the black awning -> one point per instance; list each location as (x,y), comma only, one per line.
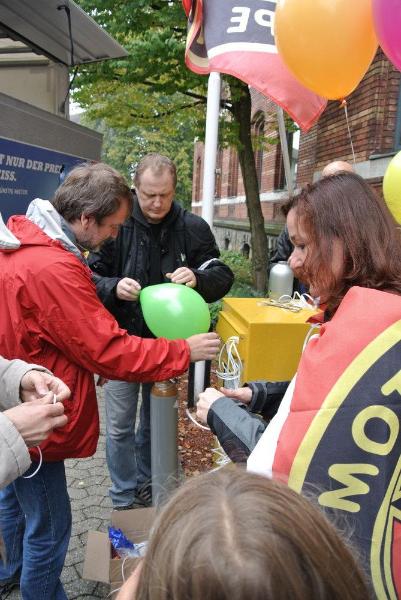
(40,27)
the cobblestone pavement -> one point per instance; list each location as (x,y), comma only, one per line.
(88,483)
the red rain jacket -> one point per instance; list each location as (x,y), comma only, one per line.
(50,315)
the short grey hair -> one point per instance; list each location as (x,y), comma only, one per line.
(157,163)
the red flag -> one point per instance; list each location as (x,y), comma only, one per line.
(187,6)
(239,41)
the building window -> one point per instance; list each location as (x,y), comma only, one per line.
(245,250)
(219,162)
(293,149)
(294,155)
(232,188)
(258,126)
(198,174)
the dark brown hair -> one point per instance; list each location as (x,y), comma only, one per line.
(343,206)
(93,189)
(157,163)
(233,535)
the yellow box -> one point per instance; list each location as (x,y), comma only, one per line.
(270,338)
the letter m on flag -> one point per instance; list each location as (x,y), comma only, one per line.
(237,38)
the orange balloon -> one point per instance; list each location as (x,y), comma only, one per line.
(327,44)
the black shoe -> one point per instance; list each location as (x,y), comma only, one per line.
(144,494)
(137,503)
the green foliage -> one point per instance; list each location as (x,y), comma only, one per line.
(151,89)
(153,79)
(148,101)
(240,266)
(124,147)
(242,290)
(152,95)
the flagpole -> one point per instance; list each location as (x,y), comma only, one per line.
(211,136)
(284,150)
(209,183)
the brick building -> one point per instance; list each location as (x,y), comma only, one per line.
(374,113)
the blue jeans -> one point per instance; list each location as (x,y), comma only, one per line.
(127,454)
(35,522)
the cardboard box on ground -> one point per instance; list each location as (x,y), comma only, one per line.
(99,564)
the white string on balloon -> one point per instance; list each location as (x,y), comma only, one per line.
(344,105)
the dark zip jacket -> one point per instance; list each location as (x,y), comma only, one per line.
(185,240)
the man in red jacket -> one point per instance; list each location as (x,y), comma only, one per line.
(50,314)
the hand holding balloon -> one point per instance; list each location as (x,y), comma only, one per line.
(204,346)
(128,289)
(174,311)
(183,275)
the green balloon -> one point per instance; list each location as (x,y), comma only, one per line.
(174,311)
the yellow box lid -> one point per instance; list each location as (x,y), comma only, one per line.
(256,311)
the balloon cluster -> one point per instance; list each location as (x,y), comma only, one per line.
(329,44)
(387,20)
(174,311)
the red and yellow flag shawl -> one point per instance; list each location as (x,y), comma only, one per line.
(342,434)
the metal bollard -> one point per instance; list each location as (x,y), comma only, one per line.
(164,431)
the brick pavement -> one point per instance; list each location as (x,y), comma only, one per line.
(88,484)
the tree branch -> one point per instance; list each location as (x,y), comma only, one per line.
(165,113)
(186,93)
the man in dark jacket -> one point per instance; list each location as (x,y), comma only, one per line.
(160,242)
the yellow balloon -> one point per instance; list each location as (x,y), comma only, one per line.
(327,44)
(392,187)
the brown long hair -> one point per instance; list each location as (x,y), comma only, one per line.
(344,207)
(233,535)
